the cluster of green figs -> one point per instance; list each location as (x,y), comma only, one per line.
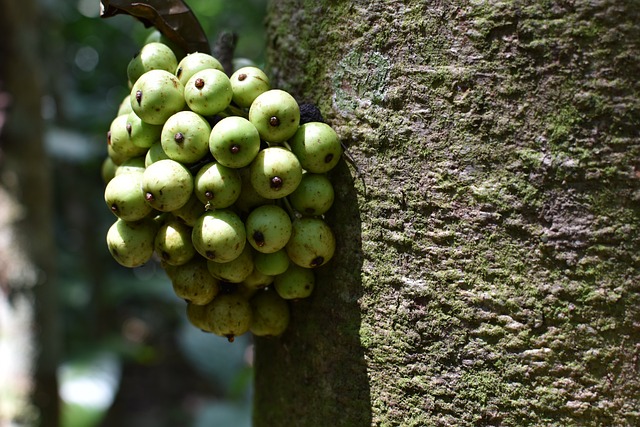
(218,178)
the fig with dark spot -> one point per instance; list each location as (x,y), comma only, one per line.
(268,228)
(295,283)
(312,242)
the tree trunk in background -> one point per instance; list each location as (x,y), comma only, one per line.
(488,267)
(28,332)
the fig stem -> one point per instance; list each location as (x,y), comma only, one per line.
(293,214)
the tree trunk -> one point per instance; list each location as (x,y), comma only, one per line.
(29,342)
(487,270)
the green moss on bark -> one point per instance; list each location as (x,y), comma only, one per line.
(490,260)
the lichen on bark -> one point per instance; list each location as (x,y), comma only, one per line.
(488,268)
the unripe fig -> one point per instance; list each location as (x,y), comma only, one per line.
(125,106)
(156,96)
(152,56)
(219,235)
(313,196)
(125,199)
(268,228)
(228,315)
(194,62)
(190,212)
(271,264)
(197,316)
(156,36)
(185,137)
(257,280)
(234,142)
(108,169)
(317,146)
(269,314)
(247,83)
(276,115)
(173,243)
(217,186)
(275,172)
(312,243)
(119,139)
(167,185)
(208,92)
(131,165)
(117,158)
(249,198)
(295,283)
(155,153)
(233,271)
(131,243)
(192,281)
(142,134)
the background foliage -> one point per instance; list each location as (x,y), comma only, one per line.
(129,356)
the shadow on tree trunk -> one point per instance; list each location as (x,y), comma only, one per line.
(329,384)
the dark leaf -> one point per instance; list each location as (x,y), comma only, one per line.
(173,18)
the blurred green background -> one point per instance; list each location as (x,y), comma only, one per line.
(129,356)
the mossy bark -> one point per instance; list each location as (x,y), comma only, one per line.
(488,267)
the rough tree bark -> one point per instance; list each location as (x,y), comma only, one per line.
(487,271)
(29,343)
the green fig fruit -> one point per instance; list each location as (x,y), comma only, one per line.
(131,243)
(312,242)
(234,271)
(217,186)
(247,83)
(249,197)
(228,315)
(155,153)
(131,165)
(295,283)
(167,185)
(197,316)
(152,56)
(194,62)
(119,139)
(275,172)
(317,146)
(234,142)
(219,235)
(185,137)
(156,36)
(192,281)
(208,92)
(313,196)
(269,314)
(273,263)
(108,169)
(276,115)
(191,211)
(257,280)
(156,96)
(124,197)
(125,106)
(268,228)
(142,134)
(173,243)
